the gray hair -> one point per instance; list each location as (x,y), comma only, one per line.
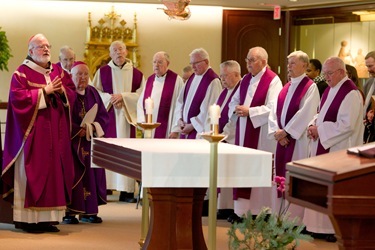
(260,52)
(302,56)
(117,43)
(232,66)
(203,54)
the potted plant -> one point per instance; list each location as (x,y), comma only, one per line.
(268,230)
(5,54)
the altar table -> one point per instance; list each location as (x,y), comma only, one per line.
(176,175)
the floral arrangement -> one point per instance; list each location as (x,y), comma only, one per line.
(268,230)
(4,51)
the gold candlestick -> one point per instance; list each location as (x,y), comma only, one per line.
(214,138)
(149,118)
(147,132)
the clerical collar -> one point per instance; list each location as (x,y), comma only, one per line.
(121,65)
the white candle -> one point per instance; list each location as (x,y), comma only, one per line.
(214,114)
(149,105)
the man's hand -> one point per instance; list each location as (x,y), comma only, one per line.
(187,129)
(82,132)
(370,115)
(117,101)
(241,111)
(173,135)
(312,132)
(280,134)
(54,86)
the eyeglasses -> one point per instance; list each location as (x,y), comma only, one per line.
(42,47)
(195,63)
(251,60)
(329,73)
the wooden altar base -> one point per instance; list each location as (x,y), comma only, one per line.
(176,219)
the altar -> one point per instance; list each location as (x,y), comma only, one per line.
(176,175)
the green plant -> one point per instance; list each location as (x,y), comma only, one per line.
(268,230)
(4,51)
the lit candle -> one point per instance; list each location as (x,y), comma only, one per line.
(149,104)
(214,113)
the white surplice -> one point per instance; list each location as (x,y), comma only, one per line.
(346,132)
(297,126)
(122,83)
(260,197)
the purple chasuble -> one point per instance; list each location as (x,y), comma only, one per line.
(331,114)
(223,120)
(251,137)
(165,101)
(106,79)
(42,134)
(285,154)
(198,98)
(89,188)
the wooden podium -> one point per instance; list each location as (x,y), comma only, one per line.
(176,175)
(340,185)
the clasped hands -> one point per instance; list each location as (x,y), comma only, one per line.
(241,111)
(117,101)
(312,132)
(281,136)
(186,128)
(54,86)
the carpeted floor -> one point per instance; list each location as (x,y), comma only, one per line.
(121,229)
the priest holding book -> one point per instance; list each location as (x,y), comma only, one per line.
(89,119)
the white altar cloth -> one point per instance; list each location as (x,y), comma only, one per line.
(186,163)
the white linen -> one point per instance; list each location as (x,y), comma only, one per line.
(186,163)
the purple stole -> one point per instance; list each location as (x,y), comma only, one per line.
(252,134)
(165,101)
(331,114)
(106,78)
(251,138)
(285,154)
(198,98)
(224,111)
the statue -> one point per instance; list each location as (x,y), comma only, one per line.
(177,9)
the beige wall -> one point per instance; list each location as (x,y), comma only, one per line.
(65,22)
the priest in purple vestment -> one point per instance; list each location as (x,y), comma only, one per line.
(119,84)
(89,120)
(250,106)
(38,164)
(230,75)
(163,87)
(198,94)
(337,126)
(296,105)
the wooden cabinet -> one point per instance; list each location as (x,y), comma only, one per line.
(340,185)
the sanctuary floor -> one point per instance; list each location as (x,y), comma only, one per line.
(121,229)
